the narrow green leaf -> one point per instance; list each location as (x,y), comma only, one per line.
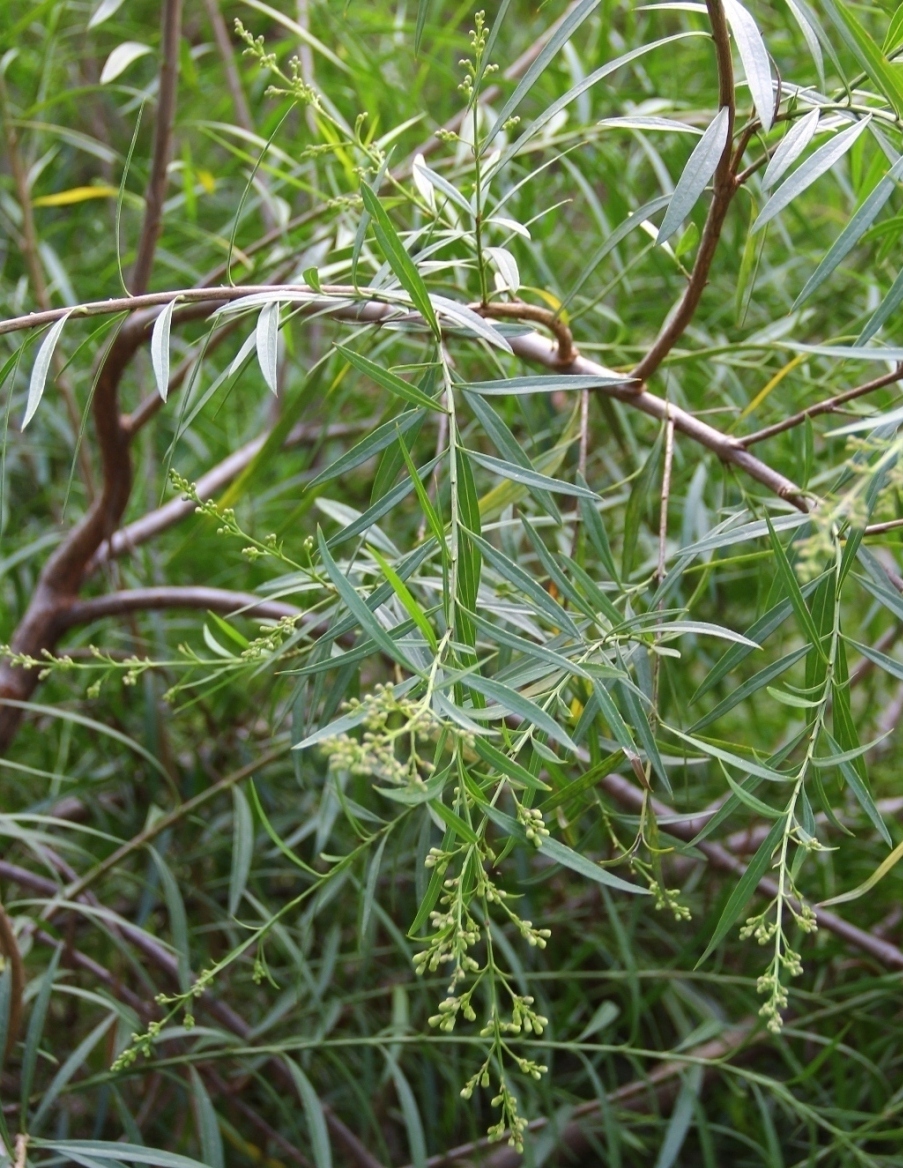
(792,145)
(506,766)
(756,682)
(159,348)
(880,872)
(42,368)
(411,1115)
(745,888)
(812,169)
(756,63)
(407,598)
(749,800)
(267,342)
(884,75)
(545,383)
(560,853)
(681,1118)
(794,595)
(208,1123)
(398,259)
(516,576)
(389,381)
(242,848)
(499,636)
(515,703)
(36,1029)
(529,478)
(853,232)
(700,167)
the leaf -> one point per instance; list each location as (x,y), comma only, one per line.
(755,60)
(103,1150)
(159,348)
(792,145)
(423,9)
(73,1063)
(843,759)
(755,683)
(242,848)
(104,10)
(515,703)
(428,179)
(208,1123)
(267,342)
(681,1118)
(178,920)
(884,311)
(359,610)
(879,69)
(76,195)
(411,1115)
(313,1116)
(389,381)
(497,635)
(404,594)
(465,318)
(702,164)
(812,169)
(521,580)
(563,34)
(375,442)
(529,478)
(506,265)
(794,595)
(880,872)
(36,1028)
(748,766)
(560,853)
(853,232)
(749,800)
(807,23)
(398,259)
(746,887)
(516,386)
(120,59)
(506,766)
(681,628)
(42,368)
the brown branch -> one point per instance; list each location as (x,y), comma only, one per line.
(127,539)
(724,189)
(163,126)
(631,797)
(12,958)
(537,349)
(825,407)
(518,310)
(84,612)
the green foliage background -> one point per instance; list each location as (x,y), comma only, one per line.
(426,850)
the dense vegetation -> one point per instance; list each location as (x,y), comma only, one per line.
(450,510)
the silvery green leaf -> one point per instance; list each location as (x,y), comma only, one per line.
(529,478)
(755,60)
(804,18)
(466,318)
(547,383)
(506,265)
(42,368)
(853,232)
(428,182)
(893,418)
(813,168)
(104,10)
(313,1114)
(702,164)
(791,147)
(267,341)
(884,311)
(120,59)
(159,348)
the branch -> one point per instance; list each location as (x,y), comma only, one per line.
(631,797)
(518,310)
(166,112)
(85,612)
(9,952)
(725,187)
(127,539)
(825,407)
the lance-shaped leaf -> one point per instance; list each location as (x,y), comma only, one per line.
(884,75)
(313,1114)
(812,169)
(42,368)
(522,707)
(792,145)
(701,166)
(880,872)
(159,348)
(529,478)
(358,609)
(562,854)
(516,386)
(397,257)
(883,312)
(755,60)
(853,232)
(267,342)
(389,381)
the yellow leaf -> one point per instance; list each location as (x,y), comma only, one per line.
(207,181)
(75,195)
(766,390)
(880,872)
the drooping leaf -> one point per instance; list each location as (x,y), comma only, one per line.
(397,257)
(267,342)
(159,348)
(42,368)
(754,56)
(792,145)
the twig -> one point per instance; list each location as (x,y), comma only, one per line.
(166,112)
(127,539)
(83,612)
(630,796)
(518,310)
(724,189)
(880,528)
(9,951)
(825,407)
